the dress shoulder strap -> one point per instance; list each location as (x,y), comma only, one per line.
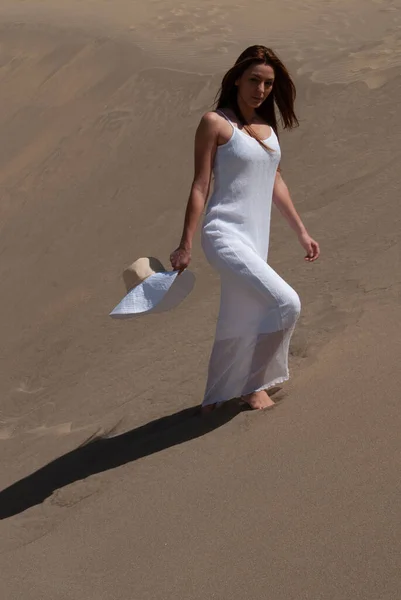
(220,112)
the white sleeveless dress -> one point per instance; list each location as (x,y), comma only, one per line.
(258,309)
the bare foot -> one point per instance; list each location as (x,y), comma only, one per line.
(205,410)
(259,400)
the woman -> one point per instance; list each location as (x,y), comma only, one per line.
(238,143)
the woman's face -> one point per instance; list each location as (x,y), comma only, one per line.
(255,84)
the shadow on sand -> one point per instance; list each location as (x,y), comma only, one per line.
(103,453)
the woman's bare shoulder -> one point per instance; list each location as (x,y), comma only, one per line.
(211,119)
(212,115)
(210,126)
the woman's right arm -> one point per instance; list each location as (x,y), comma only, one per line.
(206,138)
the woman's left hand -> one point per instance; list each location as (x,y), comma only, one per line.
(311,247)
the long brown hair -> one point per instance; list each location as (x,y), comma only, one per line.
(282,94)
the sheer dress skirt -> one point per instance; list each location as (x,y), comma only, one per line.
(257,317)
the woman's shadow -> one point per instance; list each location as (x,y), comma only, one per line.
(104,453)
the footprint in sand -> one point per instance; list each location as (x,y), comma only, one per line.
(24,389)
(6,434)
(194,27)
(374,64)
(114,120)
(299,346)
(52,430)
(75,493)
(66,429)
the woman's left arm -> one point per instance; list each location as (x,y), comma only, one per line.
(282,199)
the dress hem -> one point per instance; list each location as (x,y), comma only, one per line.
(260,389)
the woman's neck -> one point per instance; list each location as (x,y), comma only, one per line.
(247,111)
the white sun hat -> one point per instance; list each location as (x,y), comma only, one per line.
(152,289)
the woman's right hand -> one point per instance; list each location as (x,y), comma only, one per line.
(180,258)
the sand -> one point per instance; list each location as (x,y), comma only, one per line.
(111,486)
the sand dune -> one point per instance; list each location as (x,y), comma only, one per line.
(99,103)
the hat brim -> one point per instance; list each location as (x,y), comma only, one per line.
(158,293)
